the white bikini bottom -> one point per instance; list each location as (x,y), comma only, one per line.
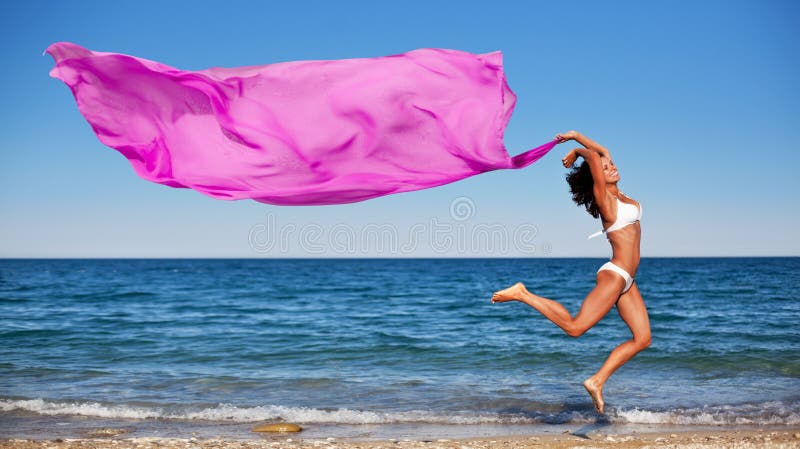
(613,267)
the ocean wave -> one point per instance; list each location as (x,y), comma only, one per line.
(766,413)
(232,413)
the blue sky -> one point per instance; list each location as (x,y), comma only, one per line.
(697,101)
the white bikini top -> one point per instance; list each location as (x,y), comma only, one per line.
(626,214)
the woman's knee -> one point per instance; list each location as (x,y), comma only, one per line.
(575,329)
(642,342)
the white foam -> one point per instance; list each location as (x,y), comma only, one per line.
(79,408)
(764,413)
(228,412)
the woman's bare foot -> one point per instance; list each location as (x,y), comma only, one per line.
(596,392)
(513,293)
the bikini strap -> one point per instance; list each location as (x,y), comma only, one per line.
(596,234)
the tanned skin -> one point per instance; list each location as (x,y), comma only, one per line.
(609,285)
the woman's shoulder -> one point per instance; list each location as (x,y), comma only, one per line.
(632,201)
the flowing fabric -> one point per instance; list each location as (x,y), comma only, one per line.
(301,132)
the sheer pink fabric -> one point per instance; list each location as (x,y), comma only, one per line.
(301,132)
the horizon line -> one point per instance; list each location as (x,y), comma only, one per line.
(375,258)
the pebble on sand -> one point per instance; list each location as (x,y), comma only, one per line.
(277,427)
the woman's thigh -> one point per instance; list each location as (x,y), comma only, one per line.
(600,300)
(632,310)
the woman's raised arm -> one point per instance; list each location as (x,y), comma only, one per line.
(585,141)
(592,157)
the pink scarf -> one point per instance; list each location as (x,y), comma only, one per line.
(301,132)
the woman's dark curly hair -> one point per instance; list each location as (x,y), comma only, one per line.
(581,186)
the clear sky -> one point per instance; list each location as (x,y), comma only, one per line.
(699,103)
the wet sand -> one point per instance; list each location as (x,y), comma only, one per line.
(706,439)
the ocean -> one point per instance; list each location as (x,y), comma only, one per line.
(386,347)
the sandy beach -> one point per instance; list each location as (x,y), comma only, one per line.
(786,438)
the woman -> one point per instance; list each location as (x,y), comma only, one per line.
(594,185)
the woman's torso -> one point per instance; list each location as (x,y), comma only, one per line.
(625,240)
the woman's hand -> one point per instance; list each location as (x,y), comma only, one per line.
(570,159)
(569,135)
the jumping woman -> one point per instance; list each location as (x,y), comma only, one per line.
(594,186)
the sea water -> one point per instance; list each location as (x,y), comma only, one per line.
(359,347)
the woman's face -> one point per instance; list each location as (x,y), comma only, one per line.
(610,170)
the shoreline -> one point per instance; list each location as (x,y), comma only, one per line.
(788,437)
(27,426)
